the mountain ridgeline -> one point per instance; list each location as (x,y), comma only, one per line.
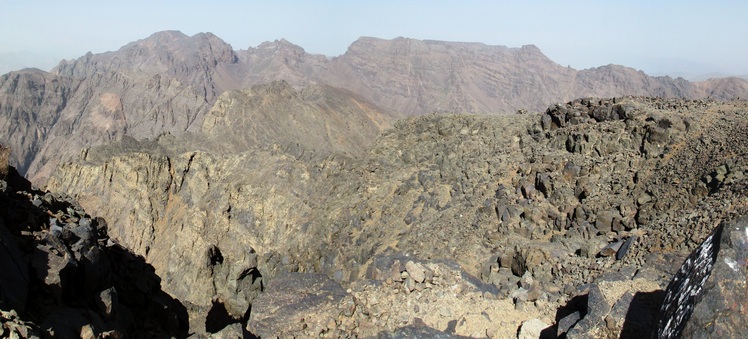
(169,82)
(387,192)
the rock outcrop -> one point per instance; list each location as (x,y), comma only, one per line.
(62,276)
(720,309)
(606,192)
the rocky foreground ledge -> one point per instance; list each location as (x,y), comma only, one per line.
(61,276)
(572,222)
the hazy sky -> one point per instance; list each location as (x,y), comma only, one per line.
(659,37)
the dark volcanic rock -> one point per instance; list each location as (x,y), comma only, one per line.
(415,332)
(720,309)
(685,290)
(14,275)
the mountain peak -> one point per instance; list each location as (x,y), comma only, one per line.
(167,35)
(281,44)
(530,48)
(158,53)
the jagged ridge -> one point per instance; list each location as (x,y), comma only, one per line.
(169,81)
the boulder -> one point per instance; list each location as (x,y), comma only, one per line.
(720,310)
(688,284)
(532,329)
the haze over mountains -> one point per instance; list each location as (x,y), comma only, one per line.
(167,83)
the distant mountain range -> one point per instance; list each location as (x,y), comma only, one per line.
(168,82)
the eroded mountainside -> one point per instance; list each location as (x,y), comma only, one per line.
(442,222)
(167,82)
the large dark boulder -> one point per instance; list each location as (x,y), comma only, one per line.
(61,276)
(687,286)
(722,309)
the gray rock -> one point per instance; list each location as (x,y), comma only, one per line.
(567,322)
(687,286)
(417,332)
(55,269)
(611,249)
(231,331)
(625,247)
(604,222)
(107,302)
(597,309)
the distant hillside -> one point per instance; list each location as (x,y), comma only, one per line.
(169,81)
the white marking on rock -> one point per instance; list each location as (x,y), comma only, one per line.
(732,263)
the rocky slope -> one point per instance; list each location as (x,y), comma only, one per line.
(529,215)
(167,82)
(317,118)
(161,84)
(63,277)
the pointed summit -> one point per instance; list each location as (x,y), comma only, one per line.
(167,52)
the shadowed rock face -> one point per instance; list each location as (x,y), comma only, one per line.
(31,103)
(168,82)
(62,276)
(524,202)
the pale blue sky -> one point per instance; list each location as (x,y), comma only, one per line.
(659,37)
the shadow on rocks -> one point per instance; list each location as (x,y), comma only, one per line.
(567,316)
(64,277)
(641,317)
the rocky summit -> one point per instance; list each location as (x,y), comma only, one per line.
(406,188)
(568,222)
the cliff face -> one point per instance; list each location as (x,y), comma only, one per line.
(420,77)
(224,210)
(263,145)
(508,198)
(166,83)
(31,103)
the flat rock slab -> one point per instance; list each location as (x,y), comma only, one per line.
(297,305)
